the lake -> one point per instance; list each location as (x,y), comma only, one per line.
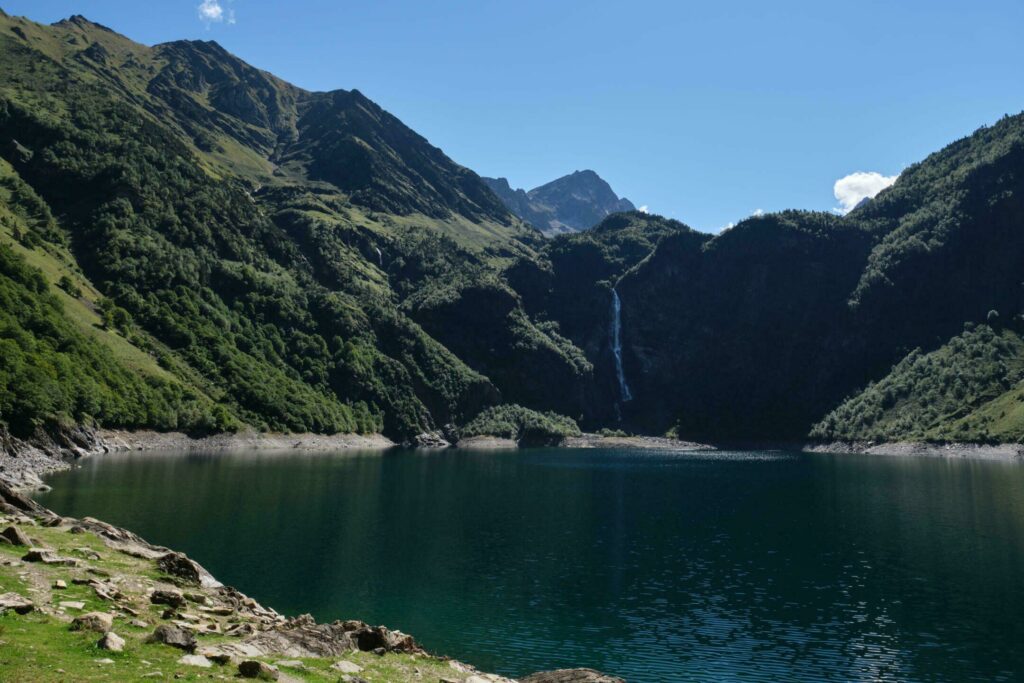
(656,566)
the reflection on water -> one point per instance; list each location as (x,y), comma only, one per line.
(654,566)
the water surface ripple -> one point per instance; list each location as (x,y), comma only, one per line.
(751,566)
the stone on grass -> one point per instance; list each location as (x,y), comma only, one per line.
(164,597)
(16,536)
(180,566)
(111,641)
(72,604)
(195,660)
(252,668)
(290,664)
(60,584)
(93,621)
(571,676)
(175,636)
(346,667)
(15,602)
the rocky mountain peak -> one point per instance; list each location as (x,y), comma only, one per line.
(574,202)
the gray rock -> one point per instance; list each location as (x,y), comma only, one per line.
(195,660)
(175,636)
(571,676)
(164,597)
(252,668)
(47,556)
(111,641)
(346,667)
(13,601)
(180,566)
(290,664)
(16,536)
(100,622)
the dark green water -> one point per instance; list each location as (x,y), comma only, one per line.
(654,566)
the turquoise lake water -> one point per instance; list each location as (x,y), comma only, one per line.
(655,566)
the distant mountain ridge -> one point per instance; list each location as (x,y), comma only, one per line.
(575,202)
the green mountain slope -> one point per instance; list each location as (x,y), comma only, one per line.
(969,389)
(198,196)
(197,244)
(762,330)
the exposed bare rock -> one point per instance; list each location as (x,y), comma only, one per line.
(175,636)
(252,668)
(303,637)
(101,622)
(47,556)
(195,660)
(111,641)
(16,536)
(180,566)
(166,597)
(571,676)
(13,601)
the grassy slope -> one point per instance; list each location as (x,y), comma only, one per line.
(40,647)
(253,279)
(969,389)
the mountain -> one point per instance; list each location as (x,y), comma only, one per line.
(798,319)
(572,203)
(192,243)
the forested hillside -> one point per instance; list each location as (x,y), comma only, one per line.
(187,242)
(271,250)
(761,331)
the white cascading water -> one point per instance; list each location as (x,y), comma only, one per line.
(617,347)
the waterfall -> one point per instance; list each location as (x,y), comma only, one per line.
(617,347)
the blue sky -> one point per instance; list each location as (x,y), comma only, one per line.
(703,111)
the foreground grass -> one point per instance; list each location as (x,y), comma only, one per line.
(40,646)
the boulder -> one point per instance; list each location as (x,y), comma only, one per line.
(195,660)
(16,536)
(571,676)
(13,601)
(60,584)
(430,440)
(346,667)
(175,636)
(101,622)
(47,556)
(181,567)
(71,604)
(217,654)
(111,641)
(252,668)
(164,597)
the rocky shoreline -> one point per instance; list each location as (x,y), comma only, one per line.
(23,462)
(588,440)
(139,598)
(1006,451)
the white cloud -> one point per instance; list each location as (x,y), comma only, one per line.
(644,209)
(757,213)
(213,12)
(854,188)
